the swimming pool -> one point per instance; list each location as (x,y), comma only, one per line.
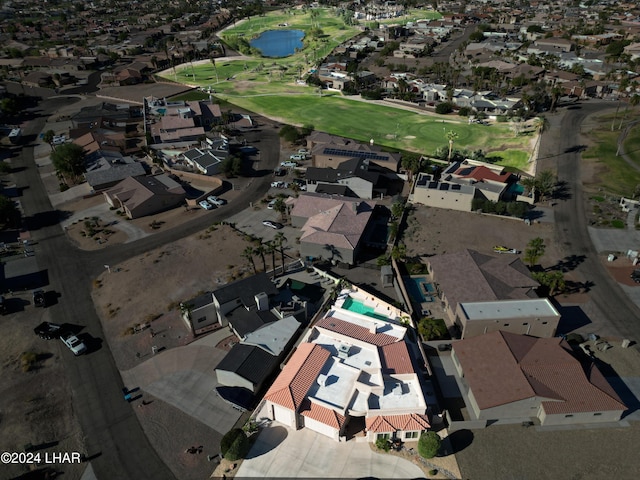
(420,289)
(357,306)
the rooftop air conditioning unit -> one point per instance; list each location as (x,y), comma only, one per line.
(343,351)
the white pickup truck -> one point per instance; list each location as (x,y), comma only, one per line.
(76,345)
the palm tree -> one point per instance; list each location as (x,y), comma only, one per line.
(529,183)
(451,136)
(215,69)
(535,251)
(270,249)
(540,125)
(278,241)
(260,250)
(248,254)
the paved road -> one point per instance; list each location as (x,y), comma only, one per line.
(111,430)
(560,148)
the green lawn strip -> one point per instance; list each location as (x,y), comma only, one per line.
(617,177)
(632,144)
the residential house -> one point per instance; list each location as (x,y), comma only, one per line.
(535,316)
(434,193)
(511,378)
(361,178)
(145,195)
(471,276)
(461,182)
(352,371)
(332,227)
(207,161)
(329,151)
(254,360)
(105,168)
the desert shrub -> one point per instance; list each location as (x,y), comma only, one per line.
(429,444)
(383,444)
(28,360)
(234,445)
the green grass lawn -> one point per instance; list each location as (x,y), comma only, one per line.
(616,176)
(272,87)
(632,144)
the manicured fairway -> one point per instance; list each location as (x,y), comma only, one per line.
(273,87)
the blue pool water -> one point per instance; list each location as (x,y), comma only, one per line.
(417,286)
(278,43)
(359,307)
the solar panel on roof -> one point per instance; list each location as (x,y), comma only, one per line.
(355,154)
(433,184)
(444,186)
(455,187)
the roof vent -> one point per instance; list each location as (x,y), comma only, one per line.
(343,351)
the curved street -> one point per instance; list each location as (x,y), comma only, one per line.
(560,150)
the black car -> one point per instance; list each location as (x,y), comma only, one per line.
(635,275)
(39,298)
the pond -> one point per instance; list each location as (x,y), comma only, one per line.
(278,43)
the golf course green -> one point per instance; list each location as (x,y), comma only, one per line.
(275,88)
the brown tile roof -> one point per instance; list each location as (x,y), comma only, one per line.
(470,276)
(391,423)
(396,359)
(322,414)
(293,383)
(502,367)
(341,226)
(482,173)
(356,331)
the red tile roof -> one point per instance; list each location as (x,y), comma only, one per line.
(396,359)
(356,331)
(293,383)
(482,173)
(322,414)
(411,422)
(502,367)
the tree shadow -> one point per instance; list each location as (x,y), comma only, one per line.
(561,191)
(567,264)
(267,440)
(575,149)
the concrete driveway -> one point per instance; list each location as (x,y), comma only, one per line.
(282,452)
(185,378)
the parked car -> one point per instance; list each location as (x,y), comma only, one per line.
(74,344)
(297,157)
(503,249)
(279,171)
(48,330)
(272,204)
(206,205)
(217,201)
(303,151)
(635,275)
(275,225)
(302,185)
(288,164)
(39,298)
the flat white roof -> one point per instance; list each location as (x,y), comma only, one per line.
(359,357)
(338,380)
(536,307)
(399,394)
